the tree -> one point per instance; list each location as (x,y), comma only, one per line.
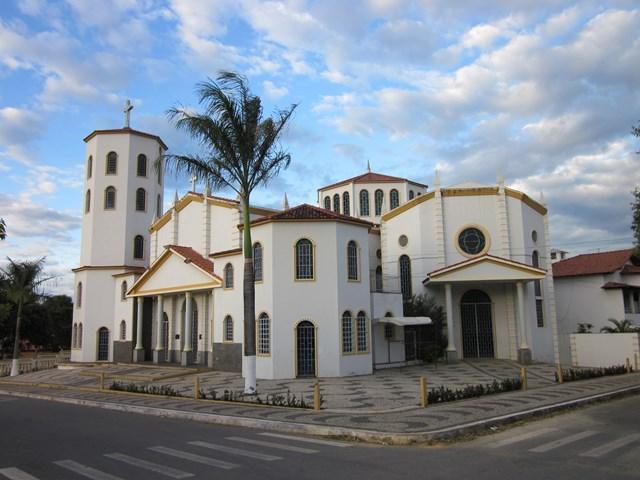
(635,220)
(431,341)
(619,326)
(21,281)
(635,131)
(241,152)
(3,229)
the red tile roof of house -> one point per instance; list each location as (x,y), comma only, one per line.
(592,263)
(372,177)
(193,256)
(309,212)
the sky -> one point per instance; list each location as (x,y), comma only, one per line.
(541,92)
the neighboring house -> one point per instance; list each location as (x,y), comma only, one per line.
(593,287)
(330,279)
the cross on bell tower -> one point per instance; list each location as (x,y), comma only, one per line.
(127,113)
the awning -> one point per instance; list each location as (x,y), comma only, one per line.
(404,321)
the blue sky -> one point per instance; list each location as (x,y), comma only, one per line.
(543,92)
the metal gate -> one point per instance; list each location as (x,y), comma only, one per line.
(477,325)
(410,350)
(103,344)
(165,336)
(306,349)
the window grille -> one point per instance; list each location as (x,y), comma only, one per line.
(346,207)
(394,199)
(363,343)
(304,259)
(405,278)
(141,200)
(257,261)
(123,330)
(123,291)
(89,167)
(336,203)
(228,329)
(264,335)
(378,278)
(109,198)
(352,260)
(138,247)
(327,203)
(103,344)
(347,333)
(142,165)
(364,203)
(112,163)
(87,202)
(228,276)
(79,295)
(379,199)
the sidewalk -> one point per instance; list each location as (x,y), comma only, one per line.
(403,425)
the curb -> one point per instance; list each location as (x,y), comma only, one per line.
(370,436)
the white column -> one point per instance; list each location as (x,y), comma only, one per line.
(522,326)
(188,313)
(159,315)
(139,323)
(451,346)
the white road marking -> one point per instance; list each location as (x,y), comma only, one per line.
(305,439)
(85,471)
(212,462)
(236,451)
(611,446)
(13,473)
(545,447)
(522,437)
(279,446)
(153,467)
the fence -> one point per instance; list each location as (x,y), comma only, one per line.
(42,362)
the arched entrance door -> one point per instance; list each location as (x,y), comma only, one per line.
(306,349)
(477,325)
(103,344)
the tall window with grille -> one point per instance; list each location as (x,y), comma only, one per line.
(87,202)
(362,332)
(141,200)
(411,194)
(227,327)
(79,295)
(405,278)
(111,167)
(304,259)
(347,332)
(109,198)
(89,167)
(228,276)
(378,286)
(364,203)
(159,206)
(346,207)
(336,203)
(79,339)
(138,247)
(74,336)
(394,199)
(537,287)
(379,200)
(264,334)
(123,330)
(141,169)
(327,203)
(123,291)
(257,261)
(352,261)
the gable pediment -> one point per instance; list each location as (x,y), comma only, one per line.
(486,268)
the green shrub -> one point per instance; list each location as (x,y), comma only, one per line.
(444,394)
(573,374)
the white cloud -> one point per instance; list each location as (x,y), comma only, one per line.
(272,91)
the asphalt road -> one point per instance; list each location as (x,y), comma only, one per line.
(48,440)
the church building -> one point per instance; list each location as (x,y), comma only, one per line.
(332,279)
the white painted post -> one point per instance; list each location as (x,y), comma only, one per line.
(139,323)
(159,315)
(451,346)
(521,321)
(188,312)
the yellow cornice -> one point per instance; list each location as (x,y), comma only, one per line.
(406,206)
(131,268)
(227,253)
(488,259)
(181,288)
(161,222)
(524,198)
(469,192)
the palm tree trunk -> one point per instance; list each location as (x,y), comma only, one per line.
(249,294)
(15,369)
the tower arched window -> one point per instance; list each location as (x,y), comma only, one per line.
(79,295)
(141,169)
(411,194)
(347,332)
(257,261)
(264,334)
(362,333)
(327,203)
(109,198)
(111,167)
(378,278)
(159,206)
(141,200)
(336,203)
(79,340)
(379,199)
(352,260)
(138,247)
(74,336)
(123,330)
(123,290)
(227,326)
(159,169)
(394,199)
(364,203)
(405,278)
(304,259)
(346,207)
(228,276)
(89,167)
(87,201)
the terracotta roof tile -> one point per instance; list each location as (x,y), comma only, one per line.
(372,177)
(193,256)
(615,285)
(224,253)
(592,263)
(309,212)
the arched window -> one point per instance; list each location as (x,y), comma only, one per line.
(362,333)
(74,336)
(379,199)
(165,335)
(364,203)
(347,332)
(79,340)
(79,295)
(228,276)
(346,207)
(264,334)
(141,170)
(336,203)
(123,290)
(103,344)
(304,259)
(87,202)
(405,278)
(352,260)
(141,200)
(228,329)
(389,332)
(89,167)
(159,206)
(327,203)
(378,278)
(411,194)
(109,198)
(257,261)
(537,287)
(394,199)
(111,167)
(159,170)
(123,330)
(194,326)
(138,247)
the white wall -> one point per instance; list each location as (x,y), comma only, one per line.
(604,349)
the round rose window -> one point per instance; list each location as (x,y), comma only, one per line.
(471,241)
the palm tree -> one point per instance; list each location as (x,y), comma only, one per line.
(21,281)
(620,326)
(241,152)
(3,229)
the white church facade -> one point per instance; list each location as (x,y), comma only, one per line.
(331,279)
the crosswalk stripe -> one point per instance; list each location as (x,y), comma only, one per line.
(13,473)
(146,465)
(278,446)
(212,462)
(85,471)
(545,447)
(522,437)
(611,446)
(236,451)
(306,439)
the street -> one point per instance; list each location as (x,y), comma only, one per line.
(47,440)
